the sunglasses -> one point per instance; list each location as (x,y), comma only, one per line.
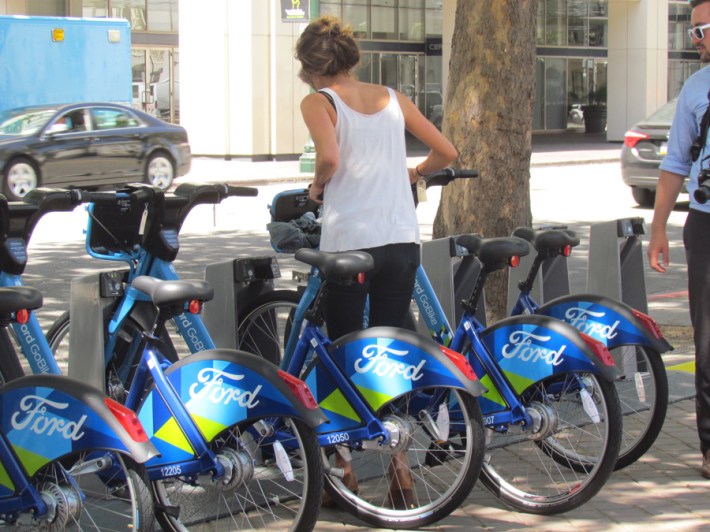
(697,32)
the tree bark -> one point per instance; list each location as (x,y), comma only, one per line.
(488,117)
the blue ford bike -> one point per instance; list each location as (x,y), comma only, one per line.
(551,410)
(634,339)
(389,394)
(235,434)
(69,456)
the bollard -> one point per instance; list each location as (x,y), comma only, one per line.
(236,283)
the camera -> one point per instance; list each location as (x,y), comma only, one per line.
(702,194)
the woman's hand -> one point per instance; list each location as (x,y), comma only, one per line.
(315,193)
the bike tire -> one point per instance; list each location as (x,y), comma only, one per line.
(129,349)
(643,396)
(570,457)
(267,500)
(10,366)
(264,326)
(443,476)
(116,499)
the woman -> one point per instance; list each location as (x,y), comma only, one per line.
(361,174)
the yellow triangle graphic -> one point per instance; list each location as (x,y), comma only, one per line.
(492,393)
(209,428)
(31,461)
(171,433)
(5,479)
(337,403)
(373,398)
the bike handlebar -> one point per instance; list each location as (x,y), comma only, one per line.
(447,175)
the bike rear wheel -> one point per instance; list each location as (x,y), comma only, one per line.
(643,394)
(565,459)
(259,491)
(116,498)
(442,473)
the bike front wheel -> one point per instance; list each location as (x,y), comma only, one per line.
(568,453)
(273,480)
(424,475)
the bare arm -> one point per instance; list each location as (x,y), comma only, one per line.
(320,117)
(442,153)
(669,185)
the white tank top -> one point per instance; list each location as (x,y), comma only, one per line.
(368,201)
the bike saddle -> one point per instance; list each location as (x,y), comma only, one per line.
(547,240)
(494,253)
(16,298)
(173,292)
(337,267)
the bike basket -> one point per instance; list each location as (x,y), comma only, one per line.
(294,221)
(114,230)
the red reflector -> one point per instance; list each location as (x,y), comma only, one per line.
(128,420)
(514,261)
(649,324)
(299,389)
(567,251)
(599,349)
(361,278)
(195,306)
(631,138)
(22,316)
(460,362)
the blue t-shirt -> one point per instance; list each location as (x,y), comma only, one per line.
(692,102)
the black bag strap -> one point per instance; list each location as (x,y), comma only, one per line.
(697,147)
(331,100)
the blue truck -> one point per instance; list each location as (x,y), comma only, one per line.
(49,60)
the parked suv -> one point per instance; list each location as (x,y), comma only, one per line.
(645,145)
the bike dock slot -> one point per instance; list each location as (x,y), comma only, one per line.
(236,283)
(616,267)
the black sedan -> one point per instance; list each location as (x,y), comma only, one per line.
(89,145)
(645,146)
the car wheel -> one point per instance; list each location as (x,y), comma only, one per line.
(19,178)
(644,196)
(160,171)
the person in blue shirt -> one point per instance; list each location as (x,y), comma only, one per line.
(676,166)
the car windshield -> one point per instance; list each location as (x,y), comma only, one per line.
(664,115)
(24,122)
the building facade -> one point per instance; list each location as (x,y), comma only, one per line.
(225,68)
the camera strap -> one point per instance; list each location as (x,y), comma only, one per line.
(699,144)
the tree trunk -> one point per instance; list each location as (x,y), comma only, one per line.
(488,117)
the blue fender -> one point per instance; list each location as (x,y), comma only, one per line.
(607,320)
(47,417)
(531,348)
(384,363)
(220,388)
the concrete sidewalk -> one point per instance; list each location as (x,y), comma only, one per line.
(548,150)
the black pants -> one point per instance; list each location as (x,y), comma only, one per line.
(696,238)
(389,285)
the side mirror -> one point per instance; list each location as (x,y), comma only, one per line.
(57,128)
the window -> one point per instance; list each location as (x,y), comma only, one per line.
(678,25)
(163,15)
(132,10)
(113,118)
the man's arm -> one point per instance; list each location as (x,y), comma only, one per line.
(669,185)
